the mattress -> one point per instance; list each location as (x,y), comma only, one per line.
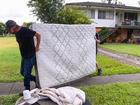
(67,53)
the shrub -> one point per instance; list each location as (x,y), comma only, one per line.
(2,28)
(69,15)
(103,31)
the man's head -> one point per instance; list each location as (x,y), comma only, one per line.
(11,26)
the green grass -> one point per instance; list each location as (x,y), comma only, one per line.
(109,94)
(114,94)
(8,100)
(132,49)
(113,67)
(9,60)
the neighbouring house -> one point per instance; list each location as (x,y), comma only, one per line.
(124,19)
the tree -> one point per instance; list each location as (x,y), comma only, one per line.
(69,15)
(27,24)
(2,28)
(46,10)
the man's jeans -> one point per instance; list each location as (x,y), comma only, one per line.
(26,70)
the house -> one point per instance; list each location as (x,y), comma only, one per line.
(124,19)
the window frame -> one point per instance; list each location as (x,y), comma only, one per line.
(108,15)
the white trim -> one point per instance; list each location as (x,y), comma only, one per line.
(110,8)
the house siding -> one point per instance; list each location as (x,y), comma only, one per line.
(103,22)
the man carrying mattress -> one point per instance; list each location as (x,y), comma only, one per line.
(25,39)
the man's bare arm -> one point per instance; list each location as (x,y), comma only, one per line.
(98,41)
(38,38)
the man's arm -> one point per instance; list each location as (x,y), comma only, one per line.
(97,38)
(38,38)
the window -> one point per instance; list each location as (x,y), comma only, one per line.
(110,15)
(105,14)
(101,14)
(131,16)
(92,14)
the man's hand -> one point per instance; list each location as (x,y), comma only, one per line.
(38,38)
(36,49)
(98,41)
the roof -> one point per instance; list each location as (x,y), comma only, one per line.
(96,4)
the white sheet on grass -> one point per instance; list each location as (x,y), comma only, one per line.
(67,53)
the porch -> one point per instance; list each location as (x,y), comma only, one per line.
(129,20)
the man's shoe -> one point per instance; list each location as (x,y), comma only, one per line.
(99,72)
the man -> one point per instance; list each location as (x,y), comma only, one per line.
(97,42)
(25,39)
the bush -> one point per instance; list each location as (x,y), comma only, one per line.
(69,15)
(28,25)
(2,28)
(103,31)
(103,34)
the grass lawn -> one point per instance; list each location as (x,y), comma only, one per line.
(112,67)
(114,94)
(109,94)
(132,49)
(10,62)
(8,100)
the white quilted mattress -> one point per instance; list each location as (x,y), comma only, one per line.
(67,53)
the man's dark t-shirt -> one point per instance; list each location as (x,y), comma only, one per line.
(25,40)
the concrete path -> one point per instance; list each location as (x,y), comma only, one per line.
(124,58)
(12,88)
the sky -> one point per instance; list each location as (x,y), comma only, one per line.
(19,11)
